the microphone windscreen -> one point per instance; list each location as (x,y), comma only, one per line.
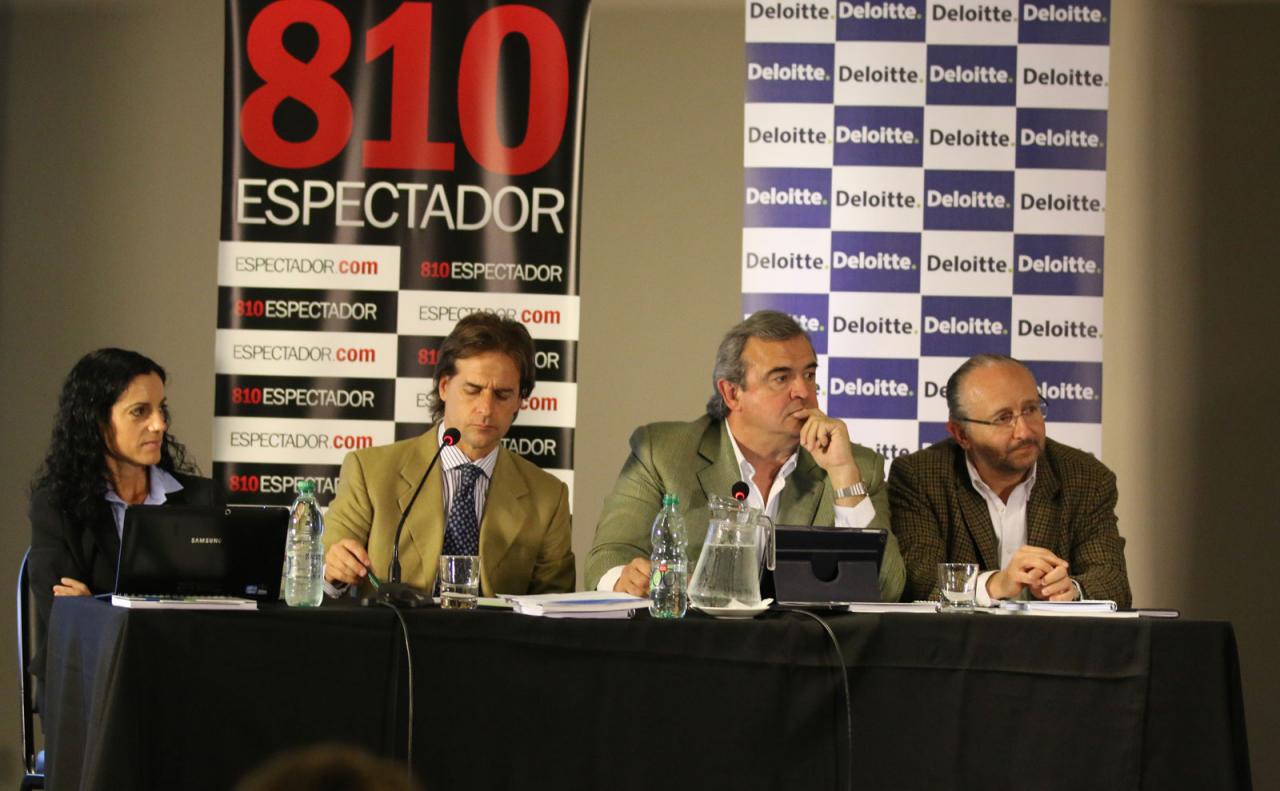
(451,436)
(740,491)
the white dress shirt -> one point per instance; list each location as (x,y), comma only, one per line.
(1009,520)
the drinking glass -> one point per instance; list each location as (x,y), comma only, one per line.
(957,587)
(459,581)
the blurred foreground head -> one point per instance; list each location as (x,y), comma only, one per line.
(328,767)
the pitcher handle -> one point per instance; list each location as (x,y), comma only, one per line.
(771,544)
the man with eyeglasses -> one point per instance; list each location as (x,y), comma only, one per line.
(1037,516)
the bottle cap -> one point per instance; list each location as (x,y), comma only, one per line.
(670,499)
(306,487)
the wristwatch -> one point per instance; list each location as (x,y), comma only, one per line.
(859,489)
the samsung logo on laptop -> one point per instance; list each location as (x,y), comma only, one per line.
(206,540)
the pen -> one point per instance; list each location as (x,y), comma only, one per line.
(373,578)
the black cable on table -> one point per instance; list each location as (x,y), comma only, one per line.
(844,682)
(408,653)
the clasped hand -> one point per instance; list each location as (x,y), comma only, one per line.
(1037,570)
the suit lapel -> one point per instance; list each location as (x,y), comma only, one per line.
(975,516)
(504,516)
(801,499)
(1043,507)
(804,494)
(721,469)
(100,544)
(424,530)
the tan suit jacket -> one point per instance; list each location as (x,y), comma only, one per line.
(525,534)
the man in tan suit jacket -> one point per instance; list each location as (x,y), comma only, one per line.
(485,370)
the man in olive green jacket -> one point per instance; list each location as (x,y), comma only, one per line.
(763,428)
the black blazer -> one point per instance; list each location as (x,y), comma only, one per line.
(88,553)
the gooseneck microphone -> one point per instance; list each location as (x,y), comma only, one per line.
(393,591)
(740,490)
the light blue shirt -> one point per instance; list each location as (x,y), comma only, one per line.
(161,485)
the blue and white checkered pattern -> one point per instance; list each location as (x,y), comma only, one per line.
(926,181)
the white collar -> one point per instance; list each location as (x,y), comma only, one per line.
(744,467)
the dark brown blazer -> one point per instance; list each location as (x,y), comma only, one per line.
(939,517)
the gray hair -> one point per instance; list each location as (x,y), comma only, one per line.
(769,325)
(954,412)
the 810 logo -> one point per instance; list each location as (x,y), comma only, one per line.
(405,37)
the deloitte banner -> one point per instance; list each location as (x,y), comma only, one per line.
(388,168)
(926,181)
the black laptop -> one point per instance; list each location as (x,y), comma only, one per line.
(828,566)
(223,557)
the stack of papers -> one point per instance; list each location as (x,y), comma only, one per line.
(893,606)
(183,602)
(1087,608)
(584,604)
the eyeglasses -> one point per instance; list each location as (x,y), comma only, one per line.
(1033,414)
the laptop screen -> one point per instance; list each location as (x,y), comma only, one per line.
(202,551)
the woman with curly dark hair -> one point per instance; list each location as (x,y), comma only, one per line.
(110,449)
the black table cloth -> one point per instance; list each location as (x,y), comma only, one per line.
(193,700)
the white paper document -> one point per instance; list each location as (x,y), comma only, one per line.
(583,604)
(183,602)
(909,606)
(1086,608)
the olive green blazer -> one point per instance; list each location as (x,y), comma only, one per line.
(695,460)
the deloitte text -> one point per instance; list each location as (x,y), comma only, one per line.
(974,325)
(870,387)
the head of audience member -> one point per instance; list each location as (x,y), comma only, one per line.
(997,415)
(484,371)
(112,416)
(765,372)
(328,767)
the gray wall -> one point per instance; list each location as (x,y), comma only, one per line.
(109,181)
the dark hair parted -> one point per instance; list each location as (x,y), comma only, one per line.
(956,380)
(769,325)
(74,471)
(478,333)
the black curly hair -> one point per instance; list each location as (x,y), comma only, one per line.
(74,471)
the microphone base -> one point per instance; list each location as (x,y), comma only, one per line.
(400,595)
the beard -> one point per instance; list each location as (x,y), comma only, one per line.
(1013,459)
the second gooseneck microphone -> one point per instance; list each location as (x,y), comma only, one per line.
(393,591)
(450,438)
